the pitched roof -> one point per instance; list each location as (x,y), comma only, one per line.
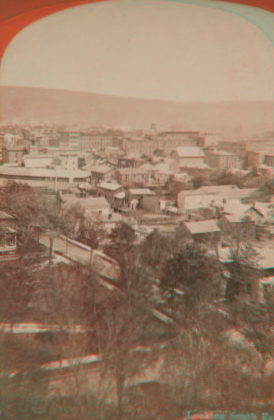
(235,207)
(192,151)
(4,216)
(266,260)
(147,166)
(234,218)
(89,203)
(111,186)
(100,169)
(141,191)
(121,195)
(204,226)
(187,193)
(131,171)
(162,166)
(262,208)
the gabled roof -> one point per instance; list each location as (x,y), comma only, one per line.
(266,260)
(111,186)
(235,207)
(162,166)
(141,191)
(262,208)
(205,226)
(5,216)
(187,193)
(131,171)
(235,217)
(147,167)
(120,196)
(89,203)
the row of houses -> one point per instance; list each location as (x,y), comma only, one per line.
(231,220)
(212,196)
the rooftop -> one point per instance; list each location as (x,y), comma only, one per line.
(111,186)
(235,207)
(121,195)
(147,166)
(165,133)
(14,148)
(38,156)
(162,166)
(205,226)
(100,169)
(239,193)
(194,165)
(216,189)
(262,208)
(234,218)
(4,216)
(131,171)
(189,152)
(186,193)
(43,173)
(223,153)
(89,203)
(141,191)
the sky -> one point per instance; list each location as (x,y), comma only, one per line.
(149,49)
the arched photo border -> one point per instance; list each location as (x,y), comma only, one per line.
(15,15)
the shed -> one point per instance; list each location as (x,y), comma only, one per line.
(202,230)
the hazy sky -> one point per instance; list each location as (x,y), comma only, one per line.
(149,49)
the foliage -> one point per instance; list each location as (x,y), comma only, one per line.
(244,276)
(122,249)
(199,181)
(72,215)
(186,366)
(16,289)
(92,234)
(227,178)
(30,209)
(194,272)
(266,190)
(155,251)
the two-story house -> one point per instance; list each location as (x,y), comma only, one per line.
(131,177)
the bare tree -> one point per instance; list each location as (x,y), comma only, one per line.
(16,288)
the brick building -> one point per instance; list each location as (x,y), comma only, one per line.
(90,141)
(132,145)
(13,154)
(168,140)
(222,159)
(131,177)
(254,159)
(109,190)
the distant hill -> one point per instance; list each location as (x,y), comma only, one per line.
(32,105)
